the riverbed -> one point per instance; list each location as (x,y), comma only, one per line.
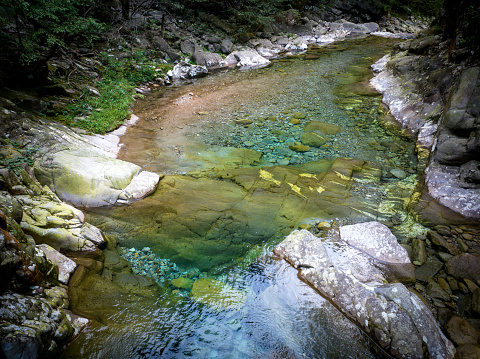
(237,180)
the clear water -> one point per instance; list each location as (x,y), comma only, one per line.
(185,131)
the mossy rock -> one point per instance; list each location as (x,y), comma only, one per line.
(299,148)
(243,121)
(217,295)
(294,121)
(299,115)
(182,283)
(313,139)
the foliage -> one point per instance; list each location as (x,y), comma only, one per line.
(32,28)
(109,110)
(471,32)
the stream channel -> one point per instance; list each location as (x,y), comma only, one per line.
(237,181)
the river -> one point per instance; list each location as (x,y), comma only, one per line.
(237,181)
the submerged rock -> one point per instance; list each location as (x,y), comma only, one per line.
(357,284)
(217,295)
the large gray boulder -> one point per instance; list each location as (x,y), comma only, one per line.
(184,70)
(358,285)
(210,60)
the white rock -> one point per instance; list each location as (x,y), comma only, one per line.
(65,265)
(247,59)
(376,240)
(141,186)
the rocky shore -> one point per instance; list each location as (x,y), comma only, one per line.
(41,220)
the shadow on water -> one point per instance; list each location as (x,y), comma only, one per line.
(232,190)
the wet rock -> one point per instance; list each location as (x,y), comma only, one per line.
(476,301)
(312,139)
(65,265)
(246,59)
(323,127)
(428,270)
(468,351)
(10,206)
(439,241)
(462,332)
(217,295)
(434,290)
(393,316)
(465,266)
(299,148)
(182,283)
(419,253)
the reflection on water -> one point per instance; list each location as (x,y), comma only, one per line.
(282,318)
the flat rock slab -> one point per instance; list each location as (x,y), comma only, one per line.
(65,265)
(395,318)
(376,240)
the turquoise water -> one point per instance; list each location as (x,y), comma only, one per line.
(278,316)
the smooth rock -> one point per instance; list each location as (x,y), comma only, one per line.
(299,148)
(65,265)
(217,295)
(419,252)
(462,332)
(465,266)
(184,70)
(312,139)
(182,283)
(468,351)
(392,315)
(323,127)
(376,240)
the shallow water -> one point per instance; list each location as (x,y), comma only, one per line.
(232,192)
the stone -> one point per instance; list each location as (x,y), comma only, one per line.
(248,59)
(187,46)
(142,185)
(226,46)
(208,59)
(312,139)
(468,351)
(294,121)
(299,148)
(243,121)
(182,283)
(398,173)
(434,290)
(465,266)
(86,179)
(395,318)
(159,43)
(428,270)
(323,127)
(462,332)
(419,253)
(217,295)
(65,265)
(184,70)
(439,241)
(476,301)
(376,240)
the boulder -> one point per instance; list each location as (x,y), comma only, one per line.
(65,265)
(226,46)
(399,322)
(247,59)
(184,70)
(462,332)
(313,139)
(376,240)
(159,43)
(188,46)
(208,59)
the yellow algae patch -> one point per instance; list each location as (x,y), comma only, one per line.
(307,175)
(217,295)
(296,189)
(343,177)
(320,189)
(267,176)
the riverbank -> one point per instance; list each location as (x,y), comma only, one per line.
(117,190)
